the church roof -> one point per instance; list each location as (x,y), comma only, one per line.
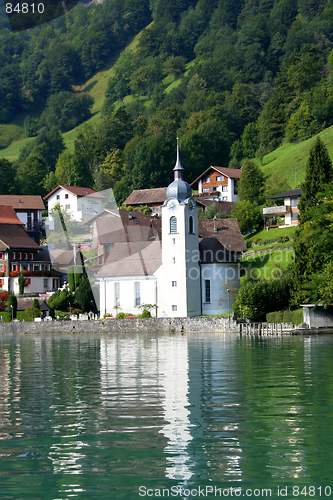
(140,258)
(130,226)
(212,251)
(227,233)
(146,196)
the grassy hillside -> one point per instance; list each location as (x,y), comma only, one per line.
(95,86)
(286,158)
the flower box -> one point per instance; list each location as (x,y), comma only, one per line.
(13,274)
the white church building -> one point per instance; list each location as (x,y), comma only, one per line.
(185,266)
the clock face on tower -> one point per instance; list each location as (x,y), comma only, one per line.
(190,205)
(172,204)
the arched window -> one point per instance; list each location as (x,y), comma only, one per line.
(173,225)
(190,224)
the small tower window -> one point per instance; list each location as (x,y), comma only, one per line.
(173,225)
(207,291)
(190,222)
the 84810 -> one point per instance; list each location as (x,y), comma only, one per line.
(24,8)
(312,491)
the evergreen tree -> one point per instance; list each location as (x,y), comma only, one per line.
(251,183)
(311,251)
(319,173)
(12,301)
(84,296)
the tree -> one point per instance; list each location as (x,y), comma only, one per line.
(319,173)
(7,174)
(35,304)
(21,282)
(251,183)
(31,175)
(311,250)
(12,305)
(212,211)
(247,214)
(84,295)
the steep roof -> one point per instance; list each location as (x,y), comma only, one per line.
(14,236)
(146,196)
(140,258)
(130,226)
(227,233)
(285,194)
(22,201)
(76,191)
(8,216)
(233,173)
(212,251)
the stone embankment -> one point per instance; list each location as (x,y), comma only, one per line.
(153,325)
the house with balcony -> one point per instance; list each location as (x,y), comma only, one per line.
(81,202)
(28,209)
(284,215)
(20,253)
(218,184)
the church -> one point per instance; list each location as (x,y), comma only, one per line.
(184,265)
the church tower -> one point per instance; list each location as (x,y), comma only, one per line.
(179,276)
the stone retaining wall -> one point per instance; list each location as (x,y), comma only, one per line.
(163,325)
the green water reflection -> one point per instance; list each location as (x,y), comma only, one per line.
(101,416)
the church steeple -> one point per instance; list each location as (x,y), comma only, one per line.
(178,170)
(179,188)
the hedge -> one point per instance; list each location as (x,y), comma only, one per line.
(295,317)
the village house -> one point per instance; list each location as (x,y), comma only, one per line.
(28,209)
(184,266)
(218,184)
(80,202)
(20,253)
(153,198)
(284,215)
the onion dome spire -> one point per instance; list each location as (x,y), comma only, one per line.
(179,188)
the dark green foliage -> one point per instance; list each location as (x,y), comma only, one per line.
(12,301)
(84,296)
(35,304)
(67,110)
(212,211)
(31,175)
(248,215)
(313,243)
(61,299)
(7,174)
(256,298)
(319,173)
(251,183)
(21,282)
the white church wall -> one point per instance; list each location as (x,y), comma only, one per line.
(221,277)
(125,294)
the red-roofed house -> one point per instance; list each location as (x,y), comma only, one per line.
(81,202)
(218,183)
(28,209)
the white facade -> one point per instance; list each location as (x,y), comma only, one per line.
(127,294)
(36,284)
(216,279)
(81,208)
(179,275)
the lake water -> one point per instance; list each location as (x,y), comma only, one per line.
(147,416)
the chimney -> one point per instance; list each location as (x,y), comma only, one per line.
(215,224)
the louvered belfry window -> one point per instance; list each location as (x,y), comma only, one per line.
(173,225)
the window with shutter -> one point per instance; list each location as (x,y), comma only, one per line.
(173,225)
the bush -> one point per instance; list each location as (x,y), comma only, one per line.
(61,299)
(12,301)
(121,315)
(287,316)
(145,314)
(31,313)
(35,304)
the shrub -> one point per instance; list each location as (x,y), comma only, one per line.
(12,301)
(31,313)
(121,315)
(145,314)
(35,304)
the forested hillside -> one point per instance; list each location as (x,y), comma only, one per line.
(234,79)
